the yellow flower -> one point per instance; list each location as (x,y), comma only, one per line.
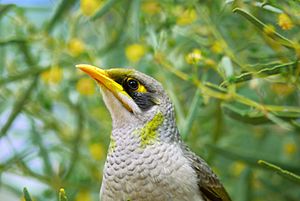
(217,47)
(83,195)
(285,22)
(85,86)
(62,193)
(206,99)
(89,7)
(187,17)
(210,62)
(290,148)
(54,75)
(76,47)
(282,89)
(254,83)
(297,49)
(237,168)
(135,52)
(193,57)
(97,151)
(151,7)
(96,173)
(269,29)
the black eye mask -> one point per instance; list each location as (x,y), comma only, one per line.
(144,100)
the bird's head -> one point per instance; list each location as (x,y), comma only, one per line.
(130,96)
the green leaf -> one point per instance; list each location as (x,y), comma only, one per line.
(18,106)
(193,110)
(261,26)
(62,195)
(264,72)
(251,160)
(26,195)
(12,41)
(22,75)
(285,173)
(43,151)
(5,8)
(256,117)
(61,10)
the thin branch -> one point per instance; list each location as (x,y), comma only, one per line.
(261,26)
(76,141)
(43,152)
(268,71)
(18,106)
(23,75)
(248,159)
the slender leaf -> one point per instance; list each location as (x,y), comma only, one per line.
(18,106)
(61,10)
(26,195)
(285,173)
(249,159)
(261,26)
(256,117)
(5,8)
(188,122)
(62,195)
(265,72)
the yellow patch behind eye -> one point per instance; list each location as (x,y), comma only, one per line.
(141,89)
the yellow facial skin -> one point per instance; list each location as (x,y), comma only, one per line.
(103,78)
(140,88)
(111,79)
(148,133)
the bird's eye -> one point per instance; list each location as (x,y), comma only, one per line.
(132,84)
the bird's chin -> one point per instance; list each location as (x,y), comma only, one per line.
(121,108)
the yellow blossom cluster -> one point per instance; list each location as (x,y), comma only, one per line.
(297,49)
(285,22)
(269,29)
(135,52)
(282,89)
(52,76)
(187,17)
(151,7)
(89,7)
(290,148)
(97,151)
(85,86)
(83,195)
(237,168)
(217,47)
(76,47)
(193,57)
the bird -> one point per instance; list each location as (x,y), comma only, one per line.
(146,159)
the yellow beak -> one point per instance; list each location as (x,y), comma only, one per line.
(102,78)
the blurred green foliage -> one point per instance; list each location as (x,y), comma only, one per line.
(231,69)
